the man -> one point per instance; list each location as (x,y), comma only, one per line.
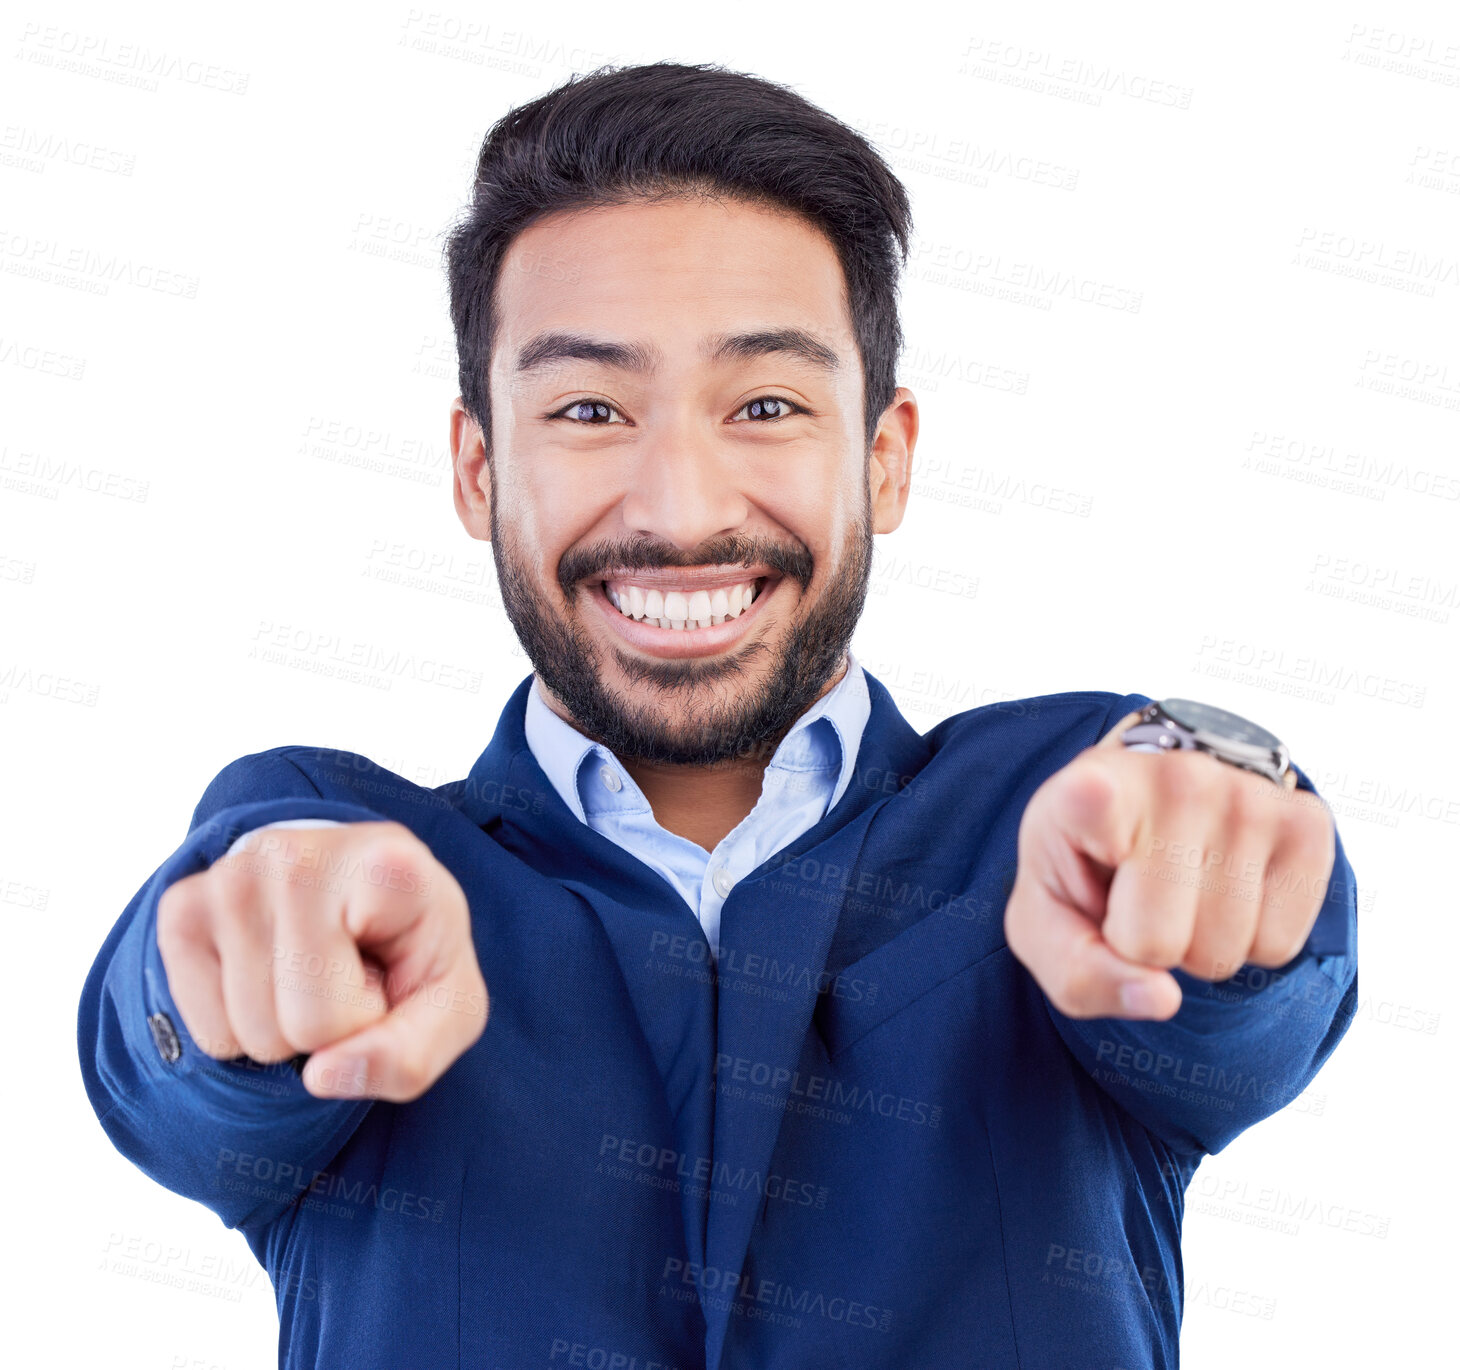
(812,1041)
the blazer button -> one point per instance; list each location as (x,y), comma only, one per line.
(164,1036)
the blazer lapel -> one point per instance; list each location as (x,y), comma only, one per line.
(663,959)
(776,928)
(659,948)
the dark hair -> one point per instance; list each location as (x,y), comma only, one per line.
(646,132)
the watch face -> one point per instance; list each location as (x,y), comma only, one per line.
(1207,718)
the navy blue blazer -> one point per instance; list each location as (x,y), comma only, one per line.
(866,1140)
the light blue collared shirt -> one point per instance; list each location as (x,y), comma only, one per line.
(805,777)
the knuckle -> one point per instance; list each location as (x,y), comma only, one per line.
(209,1036)
(220,1048)
(182,914)
(1157,952)
(300,924)
(1312,836)
(394,858)
(1293,947)
(1276,948)
(1247,806)
(1203,966)
(306,1025)
(1081,789)
(1184,779)
(1150,941)
(392,842)
(265,1047)
(205,1023)
(1212,962)
(235,891)
(234,876)
(272,1055)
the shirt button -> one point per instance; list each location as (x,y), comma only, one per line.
(722,882)
(609,776)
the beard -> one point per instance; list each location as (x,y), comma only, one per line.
(727,714)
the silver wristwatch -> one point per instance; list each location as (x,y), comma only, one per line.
(1172,724)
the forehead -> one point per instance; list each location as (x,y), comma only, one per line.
(676,270)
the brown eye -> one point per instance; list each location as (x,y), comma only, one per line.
(592,413)
(770,409)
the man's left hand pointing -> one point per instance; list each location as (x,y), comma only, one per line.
(1132,863)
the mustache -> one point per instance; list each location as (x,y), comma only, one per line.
(646,554)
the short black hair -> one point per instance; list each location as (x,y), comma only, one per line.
(623,133)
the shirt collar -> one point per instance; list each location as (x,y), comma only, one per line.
(825,738)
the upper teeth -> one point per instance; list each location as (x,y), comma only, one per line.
(681,608)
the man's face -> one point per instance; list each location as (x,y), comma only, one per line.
(682,523)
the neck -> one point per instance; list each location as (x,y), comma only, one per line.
(701,803)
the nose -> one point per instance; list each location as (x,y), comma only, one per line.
(684,490)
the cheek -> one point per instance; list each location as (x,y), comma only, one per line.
(803,490)
(536,504)
(551,518)
(821,517)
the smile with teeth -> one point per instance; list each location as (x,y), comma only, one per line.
(683,609)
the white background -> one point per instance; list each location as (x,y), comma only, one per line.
(225,370)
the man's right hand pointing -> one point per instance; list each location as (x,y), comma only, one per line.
(351,943)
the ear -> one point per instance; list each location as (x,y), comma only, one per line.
(889,464)
(471,481)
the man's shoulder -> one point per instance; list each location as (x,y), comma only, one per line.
(297,770)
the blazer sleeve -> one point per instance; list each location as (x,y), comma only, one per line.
(242,1138)
(1237,1050)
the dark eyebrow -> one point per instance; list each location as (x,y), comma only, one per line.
(550,347)
(795,342)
